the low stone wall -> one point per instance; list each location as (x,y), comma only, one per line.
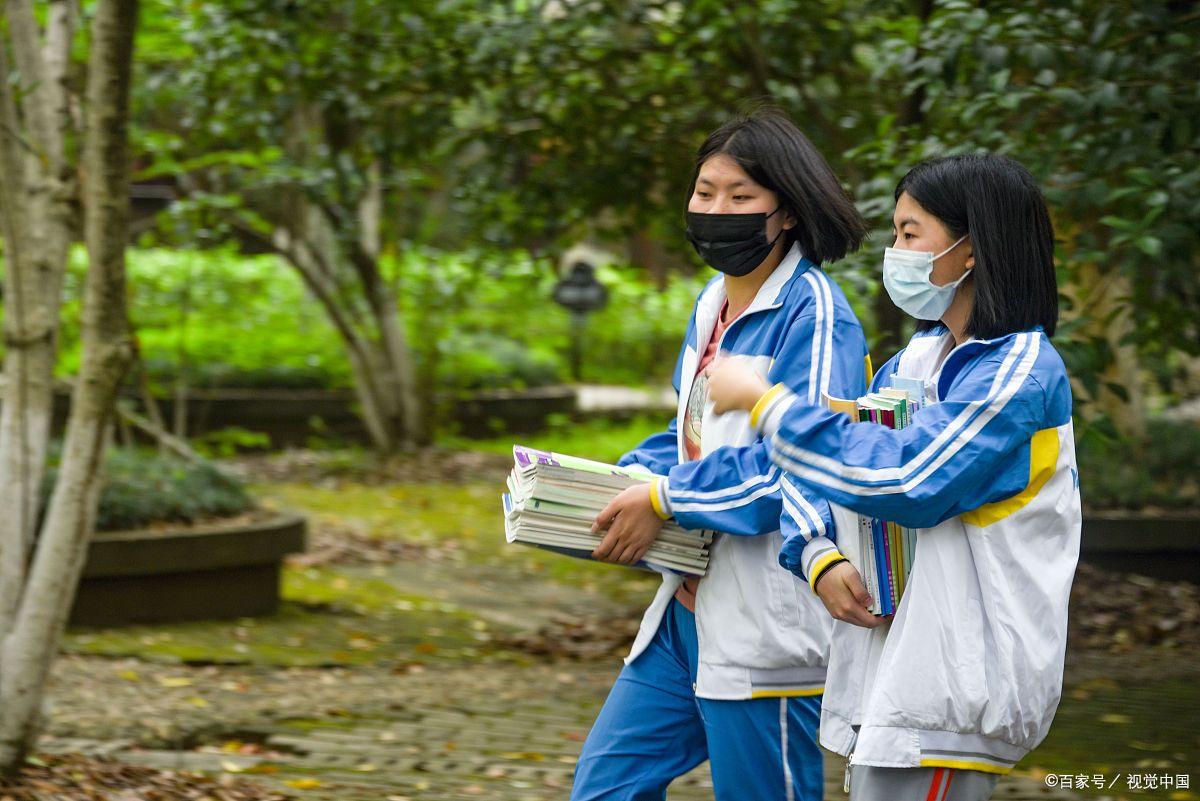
(289,417)
(1164,546)
(186,574)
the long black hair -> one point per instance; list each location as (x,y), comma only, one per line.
(772,150)
(995,200)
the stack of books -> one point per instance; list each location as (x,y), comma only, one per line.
(552,501)
(883,550)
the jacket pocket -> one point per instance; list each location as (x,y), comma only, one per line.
(970,667)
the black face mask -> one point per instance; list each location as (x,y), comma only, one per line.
(733,243)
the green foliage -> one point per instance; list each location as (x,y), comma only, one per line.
(227,442)
(1115,473)
(142,487)
(484,319)
(217,319)
(591,111)
(527,126)
(476,320)
(1094,97)
(600,439)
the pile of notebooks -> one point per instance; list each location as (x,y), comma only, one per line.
(552,501)
(883,550)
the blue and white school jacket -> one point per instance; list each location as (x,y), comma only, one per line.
(760,631)
(969,672)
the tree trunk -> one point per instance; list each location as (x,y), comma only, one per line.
(1103,298)
(28,649)
(37,220)
(366,314)
(336,250)
(398,375)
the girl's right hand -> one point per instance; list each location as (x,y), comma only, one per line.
(842,591)
(734,384)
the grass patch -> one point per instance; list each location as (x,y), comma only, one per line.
(327,618)
(464,516)
(600,439)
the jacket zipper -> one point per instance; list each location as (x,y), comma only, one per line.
(849,758)
(720,342)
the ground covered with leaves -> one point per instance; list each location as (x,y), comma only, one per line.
(71,777)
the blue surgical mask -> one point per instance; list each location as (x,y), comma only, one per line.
(906,279)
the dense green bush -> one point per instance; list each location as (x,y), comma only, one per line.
(1115,474)
(476,320)
(142,487)
(219,319)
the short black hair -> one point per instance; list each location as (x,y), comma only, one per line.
(778,156)
(997,201)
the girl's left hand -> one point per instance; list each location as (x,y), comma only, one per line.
(733,384)
(632,526)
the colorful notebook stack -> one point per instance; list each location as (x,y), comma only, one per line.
(552,500)
(883,553)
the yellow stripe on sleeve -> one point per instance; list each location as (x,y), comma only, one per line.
(823,561)
(805,693)
(655,501)
(765,401)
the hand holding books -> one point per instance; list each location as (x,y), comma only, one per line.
(554,502)
(842,591)
(631,524)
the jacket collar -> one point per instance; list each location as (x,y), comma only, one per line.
(960,356)
(769,296)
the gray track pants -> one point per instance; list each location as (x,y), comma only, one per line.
(869,783)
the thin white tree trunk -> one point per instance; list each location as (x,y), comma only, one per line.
(28,649)
(396,373)
(36,208)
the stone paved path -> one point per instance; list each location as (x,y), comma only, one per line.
(504,732)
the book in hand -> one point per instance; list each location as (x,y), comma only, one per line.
(553,499)
(882,551)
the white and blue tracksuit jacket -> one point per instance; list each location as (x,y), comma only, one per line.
(969,672)
(760,631)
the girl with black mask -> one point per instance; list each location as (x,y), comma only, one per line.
(731,667)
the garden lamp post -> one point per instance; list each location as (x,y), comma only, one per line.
(580,293)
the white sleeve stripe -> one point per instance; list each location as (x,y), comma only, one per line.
(660,490)
(798,517)
(722,506)
(831,315)
(792,493)
(814,378)
(726,492)
(783,397)
(816,554)
(943,439)
(772,419)
(842,475)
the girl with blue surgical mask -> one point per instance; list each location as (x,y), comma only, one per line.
(964,680)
